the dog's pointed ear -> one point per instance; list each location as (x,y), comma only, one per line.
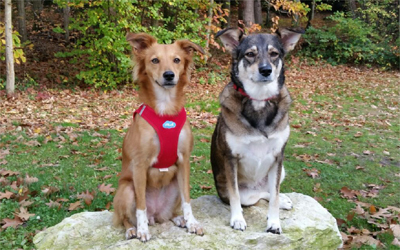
(230,38)
(189,47)
(140,41)
(289,38)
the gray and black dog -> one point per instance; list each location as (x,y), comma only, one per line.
(253,126)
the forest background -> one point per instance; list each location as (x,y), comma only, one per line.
(64,120)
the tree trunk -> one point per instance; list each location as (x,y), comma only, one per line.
(351,7)
(258,12)
(37,9)
(66,13)
(210,16)
(311,14)
(10,84)
(240,11)
(296,20)
(267,21)
(226,5)
(248,12)
(22,20)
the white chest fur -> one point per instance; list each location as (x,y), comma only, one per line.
(256,152)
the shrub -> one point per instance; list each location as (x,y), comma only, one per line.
(351,41)
(103,25)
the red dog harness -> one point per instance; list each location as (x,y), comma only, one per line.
(168,128)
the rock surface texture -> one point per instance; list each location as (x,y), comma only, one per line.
(307,226)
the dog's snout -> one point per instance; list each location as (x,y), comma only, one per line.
(265,70)
(169,75)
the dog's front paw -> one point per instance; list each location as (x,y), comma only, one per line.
(179,221)
(285,202)
(194,227)
(130,233)
(143,235)
(274,226)
(238,223)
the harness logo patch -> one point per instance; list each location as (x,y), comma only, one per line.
(169,124)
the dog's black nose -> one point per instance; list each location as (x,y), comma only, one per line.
(169,75)
(265,70)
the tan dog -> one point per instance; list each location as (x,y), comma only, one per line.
(147,194)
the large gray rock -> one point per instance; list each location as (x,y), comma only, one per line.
(307,226)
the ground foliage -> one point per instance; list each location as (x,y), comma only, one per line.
(60,150)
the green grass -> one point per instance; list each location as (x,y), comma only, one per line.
(75,160)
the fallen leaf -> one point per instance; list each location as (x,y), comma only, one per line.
(7,195)
(50,190)
(53,204)
(29,180)
(23,214)
(74,206)
(205,187)
(25,203)
(348,193)
(101,169)
(12,222)
(209,171)
(87,197)
(372,209)
(106,188)
(396,230)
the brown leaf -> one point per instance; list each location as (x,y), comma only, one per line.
(12,222)
(205,187)
(350,216)
(317,188)
(106,188)
(7,195)
(50,190)
(74,206)
(313,173)
(204,140)
(396,230)
(4,172)
(29,180)
(372,209)
(23,214)
(209,171)
(358,210)
(87,197)
(25,203)
(53,204)
(348,193)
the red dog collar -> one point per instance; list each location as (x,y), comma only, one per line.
(241,91)
(168,128)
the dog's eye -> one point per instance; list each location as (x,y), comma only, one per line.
(250,54)
(177,60)
(274,54)
(155,60)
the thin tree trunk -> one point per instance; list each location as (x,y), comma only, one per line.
(66,13)
(248,12)
(10,84)
(296,18)
(240,11)
(210,15)
(268,20)
(37,9)
(258,12)
(22,20)
(312,10)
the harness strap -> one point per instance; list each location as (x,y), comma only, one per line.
(168,128)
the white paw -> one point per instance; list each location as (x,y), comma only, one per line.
(238,223)
(143,234)
(285,202)
(194,227)
(274,226)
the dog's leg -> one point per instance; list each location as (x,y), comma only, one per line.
(139,182)
(237,220)
(274,175)
(250,196)
(192,224)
